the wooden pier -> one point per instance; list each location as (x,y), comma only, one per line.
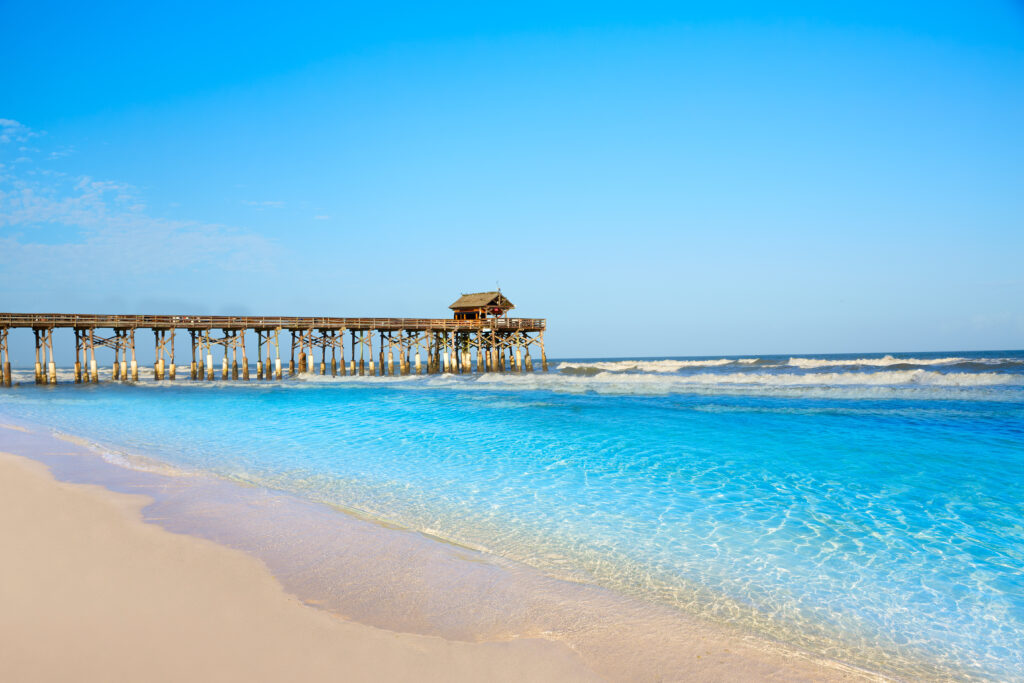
(404,346)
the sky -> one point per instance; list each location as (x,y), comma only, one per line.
(655,179)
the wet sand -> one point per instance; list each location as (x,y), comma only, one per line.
(92,593)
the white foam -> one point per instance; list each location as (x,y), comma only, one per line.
(807,363)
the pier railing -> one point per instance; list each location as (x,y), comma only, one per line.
(222,322)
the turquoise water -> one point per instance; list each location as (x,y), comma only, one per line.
(866,507)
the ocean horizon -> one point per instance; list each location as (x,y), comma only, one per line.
(860,507)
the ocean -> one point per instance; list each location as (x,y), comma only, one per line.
(865,507)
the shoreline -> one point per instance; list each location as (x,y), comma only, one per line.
(699,651)
(92,592)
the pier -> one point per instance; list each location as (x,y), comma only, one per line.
(480,338)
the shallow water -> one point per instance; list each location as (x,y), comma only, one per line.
(866,507)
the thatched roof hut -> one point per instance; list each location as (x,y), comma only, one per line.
(480,305)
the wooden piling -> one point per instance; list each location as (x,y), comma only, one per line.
(234,354)
(135,365)
(259,354)
(123,341)
(543,355)
(156,355)
(309,356)
(352,359)
(39,367)
(277,354)
(5,359)
(370,354)
(347,368)
(334,354)
(85,357)
(245,359)
(78,357)
(192,368)
(93,370)
(52,365)
(209,356)
(291,363)
(173,366)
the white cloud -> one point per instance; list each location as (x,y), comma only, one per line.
(321,217)
(12,131)
(58,230)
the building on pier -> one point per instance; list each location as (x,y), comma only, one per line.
(480,305)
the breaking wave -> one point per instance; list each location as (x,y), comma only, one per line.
(669,365)
(653,365)
(880,378)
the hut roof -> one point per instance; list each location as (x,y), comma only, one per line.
(481,299)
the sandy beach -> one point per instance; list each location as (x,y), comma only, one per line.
(92,593)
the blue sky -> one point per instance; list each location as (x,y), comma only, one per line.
(654,178)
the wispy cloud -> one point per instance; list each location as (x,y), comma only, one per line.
(264,204)
(322,217)
(12,131)
(84,232)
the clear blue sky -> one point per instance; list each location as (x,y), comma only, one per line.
(655,179)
